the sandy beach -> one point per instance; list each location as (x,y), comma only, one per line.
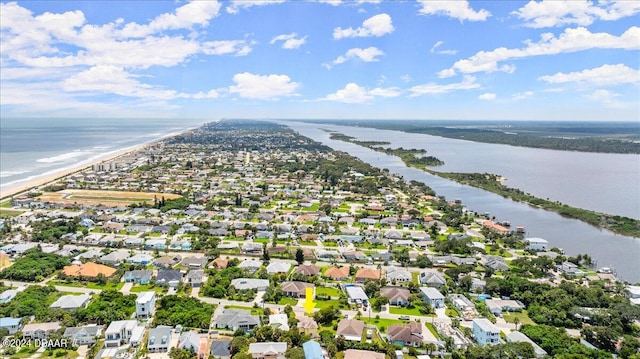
(55,176)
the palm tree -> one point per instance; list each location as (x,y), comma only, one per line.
(516,321)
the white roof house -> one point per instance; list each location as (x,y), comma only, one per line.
(71,302)
(634,294)
(357,295)
(268,350)
(518,337)
(278,267)
(250,283)
(536,244)
(279,321)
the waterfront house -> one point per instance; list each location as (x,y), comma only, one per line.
(536,244)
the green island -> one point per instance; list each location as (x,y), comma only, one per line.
(493,183)
(579,136)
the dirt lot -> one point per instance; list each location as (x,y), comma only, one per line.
(106,198)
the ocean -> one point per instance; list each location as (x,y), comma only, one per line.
(38,148)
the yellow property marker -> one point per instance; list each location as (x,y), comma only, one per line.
(308,303)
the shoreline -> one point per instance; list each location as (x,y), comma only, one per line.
(57,175)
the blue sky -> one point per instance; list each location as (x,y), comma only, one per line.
(507,60)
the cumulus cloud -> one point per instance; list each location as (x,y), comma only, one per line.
(263,87)
(606,98)
(552,13)
(369,54)
(376,25)
(487,96)
(468,83)
(458,9)
(289,41)
(236,5)
(354,93)
(185,17)
(571,40)
(605,75)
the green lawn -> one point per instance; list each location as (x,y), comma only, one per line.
(320,304)
(432,329)
(254,311)
(407,311)
(147,288)
(292,302)
(522,316)
(381,323)
(9,213)
(331,292)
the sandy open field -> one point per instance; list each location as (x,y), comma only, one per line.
(106,198)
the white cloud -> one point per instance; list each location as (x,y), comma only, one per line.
(185,17)
(237,47)
(606,75)
(444,52)
(571,40)
(236,5)
(605,97)
(290,41)
(446,73)
(115,80)
(376,25)
(522,95)
(468,83)
(265,87)
(487,96)
(457,9)
(552,13)
(369,54)
(353,93)
(406,78)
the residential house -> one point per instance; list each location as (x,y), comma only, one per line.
(307,270)
(296,289)
(278,267)
(307,325)
(269,350)
(432,296)
(497,265)
(141,259)
(252,248)
(518,337)
(115,257)
(354,256)
(485,332)
(362,354)
(250,265)
(159,339)
(155,243)
(194,277)
(497,306)
(350,329)
(10,324)
(88,270)
(356,295)
(337,273)
(569,268)
(220,349)
(85,335)
(220,263)
(140,276)
(312,350)
(169,277)
(633,294)
(71,302)
(365,274)
(397,296)
(120,332)
(9,294)
(167,262)
(40,330)
(250,284)
(194,342)
(398,275)
(279,321)
(536,244)
(409,334)
(145,305)
(194,262)
(234,319)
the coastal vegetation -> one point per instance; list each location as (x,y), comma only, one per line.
(493,183)
(34,266)
(606,138)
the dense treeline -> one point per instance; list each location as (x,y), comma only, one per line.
(189,312)
(610,138)
(491,182)
(33,301)
(34,266)
(110,305)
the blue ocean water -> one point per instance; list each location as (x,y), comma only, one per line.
(33,148)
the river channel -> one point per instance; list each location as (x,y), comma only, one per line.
(608,249)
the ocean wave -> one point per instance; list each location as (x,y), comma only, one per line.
(61,158)
(4,174)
